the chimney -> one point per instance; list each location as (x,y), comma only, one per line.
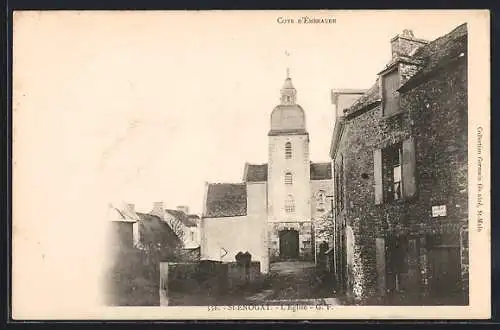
(130,207)
(183,208)
(158,210)
(405,44)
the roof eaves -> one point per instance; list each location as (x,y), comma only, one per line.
(419,78)
(245,172)
(337,134)
(364,108)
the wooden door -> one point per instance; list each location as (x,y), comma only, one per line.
(289,244)
(445,271)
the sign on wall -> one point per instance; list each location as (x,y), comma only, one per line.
(439,211)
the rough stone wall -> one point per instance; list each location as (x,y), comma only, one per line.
(305,238)
(322,223)
(404,46)
(435,113)
(120,234)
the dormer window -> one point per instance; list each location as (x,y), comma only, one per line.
(390,95)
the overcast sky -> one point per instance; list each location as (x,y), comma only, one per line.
(147,106)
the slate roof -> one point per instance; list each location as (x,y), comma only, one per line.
(321,171)
(372,96)
(258,173)
(226,200)
(431,57)
(439,52)
(255,173)
(291,131)
(153,230)
(183,218)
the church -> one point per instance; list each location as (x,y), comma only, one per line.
(279,210)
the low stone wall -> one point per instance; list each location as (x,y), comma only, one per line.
(203,282)
(240,276)
(205,279)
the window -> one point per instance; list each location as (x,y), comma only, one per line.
(390,95)
(192,235)
(288,150)
(288,178)
(289,204)
(321,200)
(392,166)
(394,172)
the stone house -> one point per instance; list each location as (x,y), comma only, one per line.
(400,177)
(130,229)
(189,225)
(278,210)
(138,242)
(185,225)
(156,234)
(122,230)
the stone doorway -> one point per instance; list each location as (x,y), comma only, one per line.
(289,244)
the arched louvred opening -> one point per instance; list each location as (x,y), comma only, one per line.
(288,150)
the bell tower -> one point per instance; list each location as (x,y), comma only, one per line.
(289,200)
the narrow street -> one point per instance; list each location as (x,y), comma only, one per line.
(295,282)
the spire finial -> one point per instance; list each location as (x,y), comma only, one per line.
(287,73)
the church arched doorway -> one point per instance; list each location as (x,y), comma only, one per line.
(289,244)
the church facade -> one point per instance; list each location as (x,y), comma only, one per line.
(281,209)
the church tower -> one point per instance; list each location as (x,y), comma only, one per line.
(289,192)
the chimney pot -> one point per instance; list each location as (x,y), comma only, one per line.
(130,207)
(405,44)
(158,210)
(408,33)
(183,208)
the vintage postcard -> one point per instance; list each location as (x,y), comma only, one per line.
(251,165)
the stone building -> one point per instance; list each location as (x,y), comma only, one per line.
(122,226)
(400,178)
(278,211)
(184,224)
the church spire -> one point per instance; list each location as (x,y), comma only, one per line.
(288,92)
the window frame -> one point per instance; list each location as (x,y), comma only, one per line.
(392,159)
(289,204)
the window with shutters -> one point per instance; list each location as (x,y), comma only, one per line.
(394,172)
(289,204)
(392,176)
(288,150)
(288,178)
(390,95)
